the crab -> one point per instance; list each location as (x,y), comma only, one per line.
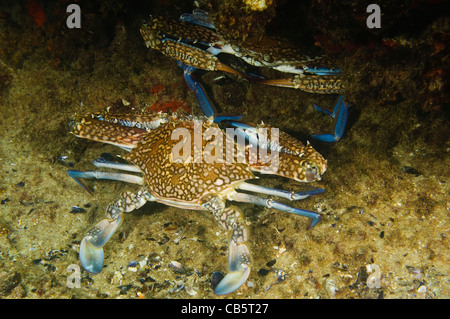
(197,44)
(194,42)
(194,163)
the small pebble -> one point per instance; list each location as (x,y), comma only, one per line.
(176,266)
(143,262)
(263,272)
(63,160)
(411,170)
(77,210)
(124,289)
(422,290)
(140,295)
(190,291)
(271,263)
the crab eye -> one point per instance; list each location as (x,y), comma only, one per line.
(311,173)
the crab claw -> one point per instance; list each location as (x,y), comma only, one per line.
(91,251)
(239,262)
(91,258)
(340,116)
(204,102)
(232,281)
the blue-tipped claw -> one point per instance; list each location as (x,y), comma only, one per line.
(232,281)
(314,217)
(340,111)
(340,114)
(91,258)
(248,198)
(198,17)
(77,175)
(205,104)
(311,192)
(322,71)
(91,251)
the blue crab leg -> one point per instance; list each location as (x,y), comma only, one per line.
(252,199)
(205,104)
(91,247)
(209,110)
(341,109)
(198,58)
(251,135)
(198,17)
(340,114)
(321,70)
(279,192)
(128,178)
(102,162)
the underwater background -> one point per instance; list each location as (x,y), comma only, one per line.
(387,185)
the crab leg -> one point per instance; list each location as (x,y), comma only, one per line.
(340,109)
(340,114)
(239,257)
(279,192)
(102,162)
(252,199)
(128,178)
(239,261)
(311,83)
(198,17)
(105,132)
(197,58)
(206,106)
(320,71)
(91,251)
(179,44)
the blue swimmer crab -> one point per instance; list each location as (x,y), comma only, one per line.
(194,42)
(190,182)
